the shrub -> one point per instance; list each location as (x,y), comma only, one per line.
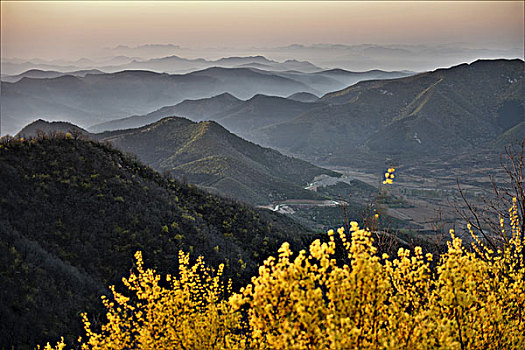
(471,298)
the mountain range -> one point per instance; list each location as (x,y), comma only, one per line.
(361,57)
(167,64)
(47,74)
(176,64)
(238,116)
(95,98)
(447,111)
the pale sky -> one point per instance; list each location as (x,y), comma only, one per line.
(48,29)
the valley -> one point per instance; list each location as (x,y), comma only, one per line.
(429,193)
(424,199)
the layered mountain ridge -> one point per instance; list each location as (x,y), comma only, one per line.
(90,98)
(210,156)
(470,107)
(447,111)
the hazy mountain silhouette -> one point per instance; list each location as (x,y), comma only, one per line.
(176,64)
(196,110)
(238,116)
(42,74)
(172,64)
(102,97)
(390,57)
(95,98)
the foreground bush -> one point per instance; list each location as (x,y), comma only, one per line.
(470,299)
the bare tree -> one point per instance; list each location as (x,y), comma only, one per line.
(489,218)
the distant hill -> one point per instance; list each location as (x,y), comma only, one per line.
(73,214)
(196,110)
(201,109)
(447,111)
(47,74)
(19,67)
(210,156)
(240,117)
(97,98)
(303,97)
(350,78)
(260,111)
(161,63)
(175,64)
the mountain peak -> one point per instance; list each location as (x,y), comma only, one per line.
(213,156)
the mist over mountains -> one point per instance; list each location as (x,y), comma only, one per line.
(386,114)
(170,64)
(447,111)
(47,74)
(94,98)
(238,116)
(362,57)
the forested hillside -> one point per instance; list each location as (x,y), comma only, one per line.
(209,155)
(74,212)
(444,112)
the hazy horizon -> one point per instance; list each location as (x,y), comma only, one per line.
(74,30)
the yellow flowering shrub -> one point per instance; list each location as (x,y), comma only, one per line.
(190,313)
(472,298)
(389,176)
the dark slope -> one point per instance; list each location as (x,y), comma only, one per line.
(210,156)
(74,212)
(447,111)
